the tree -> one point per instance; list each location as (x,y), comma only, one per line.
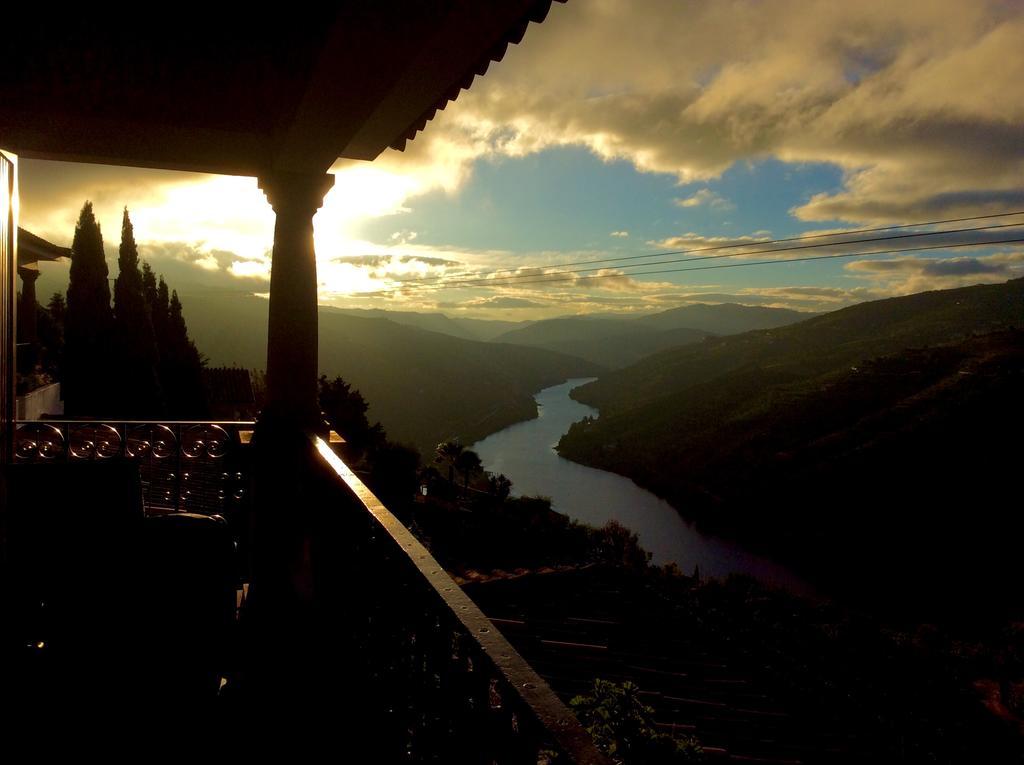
(623,726)
(149,294)
(181,364)
(501,485)
(617,545)
(58,308)
(468,463)
(345,409)
(141,398)
(89,323)
(447,453)
(50,329)
(391,469)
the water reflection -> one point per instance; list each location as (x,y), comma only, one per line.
(525,453)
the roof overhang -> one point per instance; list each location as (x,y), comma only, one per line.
(245,93)
(32,249)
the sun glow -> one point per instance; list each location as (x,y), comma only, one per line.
(218,215)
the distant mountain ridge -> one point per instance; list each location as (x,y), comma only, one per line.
(617,342)
(724,318)
(900,415)
(423,386)
(818,344)
(611,343)
(468,329)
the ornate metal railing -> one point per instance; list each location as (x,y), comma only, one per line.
(199,467)
(393,630)
(453,687)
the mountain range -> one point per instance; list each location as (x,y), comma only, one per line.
(423,386)
(429,377)
(885,432)
(616,342)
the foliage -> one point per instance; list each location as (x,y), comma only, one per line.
(469,464)
(623,726)
(180,366)
(140,394)
(447,453)
(346,409)
(500,485)
(391,470)
(50,333)
(615,544)
(88,328)
(505,532)
(135,360)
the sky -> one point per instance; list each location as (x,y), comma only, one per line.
(620,129)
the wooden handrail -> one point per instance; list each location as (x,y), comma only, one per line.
(531,693)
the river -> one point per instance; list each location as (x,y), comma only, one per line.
(525,453)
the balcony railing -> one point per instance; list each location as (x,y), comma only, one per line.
(197,467)
(455,689)
(390,628)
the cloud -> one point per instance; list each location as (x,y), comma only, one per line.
(503,302)
(708,198)
(906,275)
(377,261)
(917,102)
(972,235)
(621,234)
(691,241)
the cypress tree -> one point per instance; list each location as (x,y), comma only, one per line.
(181,362)
(161,314)
(89,324)
(136,342)
(149,291)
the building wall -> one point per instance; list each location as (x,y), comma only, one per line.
(45,401)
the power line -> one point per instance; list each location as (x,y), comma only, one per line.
(791,248)
(754,243)
(570,275)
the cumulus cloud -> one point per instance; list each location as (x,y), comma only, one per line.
(692,241)
(377,261)
(707,198)
(906,275)
(917,102)
(849,243)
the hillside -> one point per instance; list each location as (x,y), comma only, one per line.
(723,318)
(616,342)
(816,345)
(468,329)
(423,386)
(886,431)
(612,343)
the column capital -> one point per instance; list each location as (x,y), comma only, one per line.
(28,274)
(297,192)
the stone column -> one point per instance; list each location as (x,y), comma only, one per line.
(27,312)
(284,498)
(28,346)
(292,330)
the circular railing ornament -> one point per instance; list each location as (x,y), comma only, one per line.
(93,441)
(163,442)
(205,440)
(38,441)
